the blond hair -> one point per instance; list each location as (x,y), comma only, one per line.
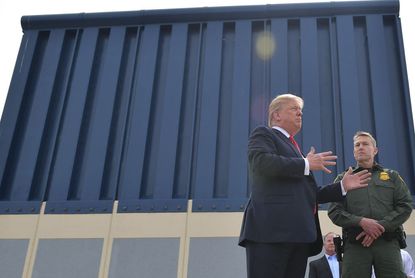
(278,102)
(364,133)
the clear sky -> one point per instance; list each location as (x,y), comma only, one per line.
(12,11)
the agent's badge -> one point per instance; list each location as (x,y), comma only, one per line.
(384,176)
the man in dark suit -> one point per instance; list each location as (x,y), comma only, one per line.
(327,266)
(280,228)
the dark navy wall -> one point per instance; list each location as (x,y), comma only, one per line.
(153,108)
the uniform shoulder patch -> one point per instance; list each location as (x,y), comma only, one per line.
(384,176)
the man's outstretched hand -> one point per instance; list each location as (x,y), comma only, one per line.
(319,161)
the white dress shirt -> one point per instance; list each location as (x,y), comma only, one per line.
(408,264)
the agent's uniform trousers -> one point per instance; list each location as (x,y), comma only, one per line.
(384,255)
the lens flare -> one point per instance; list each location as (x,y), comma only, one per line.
(265,45)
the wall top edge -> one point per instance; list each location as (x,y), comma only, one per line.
(209,14)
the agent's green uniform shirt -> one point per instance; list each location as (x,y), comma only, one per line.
(386,199)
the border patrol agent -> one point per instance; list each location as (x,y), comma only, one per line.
(372,217)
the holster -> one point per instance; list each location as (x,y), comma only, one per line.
(339,248)
(401,238)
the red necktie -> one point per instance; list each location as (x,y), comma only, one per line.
(295,143)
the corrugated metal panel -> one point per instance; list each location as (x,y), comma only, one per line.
(154,107)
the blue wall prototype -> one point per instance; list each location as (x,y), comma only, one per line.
(153,108)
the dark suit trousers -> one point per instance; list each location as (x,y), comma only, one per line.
(276,260)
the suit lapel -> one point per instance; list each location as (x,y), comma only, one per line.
(287,141)
(327,266)
(281,136)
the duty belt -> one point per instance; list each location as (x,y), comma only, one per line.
(350,234)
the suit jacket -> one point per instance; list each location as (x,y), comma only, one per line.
(320,269)
(282,201)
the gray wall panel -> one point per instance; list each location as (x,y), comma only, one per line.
(144,257)
(13,255)
(216,257)
(67,258)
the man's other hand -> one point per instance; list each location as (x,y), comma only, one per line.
(358,180)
